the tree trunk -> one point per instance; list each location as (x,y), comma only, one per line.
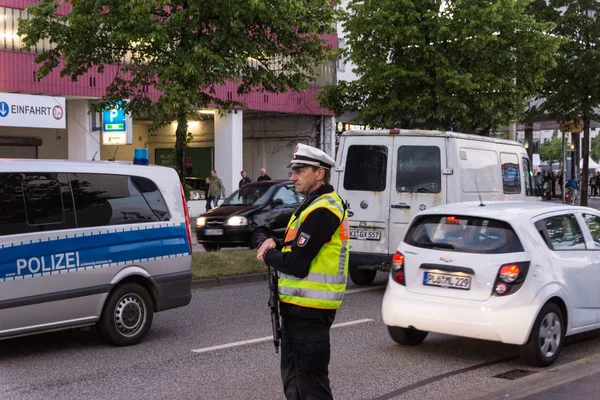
(180,139)
(585,154)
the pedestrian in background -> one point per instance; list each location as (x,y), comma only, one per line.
(216,189)
(553,183)
(244,179)
(538,183)
(206,195)
(592,185)
(312,265)
(263,176)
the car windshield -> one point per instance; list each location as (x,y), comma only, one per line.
(463,234)
(249,194)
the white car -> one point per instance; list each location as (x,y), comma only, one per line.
(513,272)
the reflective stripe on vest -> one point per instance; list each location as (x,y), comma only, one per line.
(325,284)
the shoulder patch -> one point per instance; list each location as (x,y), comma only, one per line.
(303,239)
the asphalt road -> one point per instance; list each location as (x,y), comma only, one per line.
(365,363)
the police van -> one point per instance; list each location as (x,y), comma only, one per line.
(388,176)
(91,243)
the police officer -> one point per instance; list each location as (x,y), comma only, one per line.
(312,265)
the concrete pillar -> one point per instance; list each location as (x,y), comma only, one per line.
(329,136)
(82,142)
(229,149)
(512,131)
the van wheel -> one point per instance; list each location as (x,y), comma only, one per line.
(546,338)
(211,247)
(127,315)
(258,236)
(407,336)
(362,277)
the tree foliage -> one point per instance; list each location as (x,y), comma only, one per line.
(572,88)
(595,148)
(183,48)
(464,64)
(551,150)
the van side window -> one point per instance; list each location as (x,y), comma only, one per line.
(102,199)
(528,178)
(35,202)
(366,168)
(419,169)
(479,170)
(43,200)
(511,175)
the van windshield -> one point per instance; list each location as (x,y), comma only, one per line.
(463,234)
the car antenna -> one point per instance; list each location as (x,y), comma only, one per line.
(479,194)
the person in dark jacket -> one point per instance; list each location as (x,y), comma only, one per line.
(312,266)
(207,197)
(263,176)
(244,179)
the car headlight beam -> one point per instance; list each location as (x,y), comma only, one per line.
(200,222)
(236,220)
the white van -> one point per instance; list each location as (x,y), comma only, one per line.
(387,176)
(91,243)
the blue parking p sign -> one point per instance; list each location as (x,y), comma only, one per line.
(114,120)
(117,126)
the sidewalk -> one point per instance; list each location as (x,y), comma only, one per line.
(579,380)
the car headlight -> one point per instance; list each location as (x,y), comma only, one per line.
(236,220)
(200,222)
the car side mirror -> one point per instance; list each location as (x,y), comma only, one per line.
(277,202)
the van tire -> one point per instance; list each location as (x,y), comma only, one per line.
(127,315)
(407,336)
(362,277)
(548,331)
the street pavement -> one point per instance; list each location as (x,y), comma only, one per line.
(229,329)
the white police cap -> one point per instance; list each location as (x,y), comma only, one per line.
(307,155)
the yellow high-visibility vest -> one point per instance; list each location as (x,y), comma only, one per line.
(325,284)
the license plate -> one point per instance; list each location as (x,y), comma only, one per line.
(447,281)
(213,232)
(365,235)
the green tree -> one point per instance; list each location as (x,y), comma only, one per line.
(183,48)
(572,88)
(470,65)
(551,150)
(595,148)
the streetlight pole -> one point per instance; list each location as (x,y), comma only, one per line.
(564,167)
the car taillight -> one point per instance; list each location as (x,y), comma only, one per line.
(187,218)
(398,268)
(510,278)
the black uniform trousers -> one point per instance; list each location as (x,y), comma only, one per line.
(305,355)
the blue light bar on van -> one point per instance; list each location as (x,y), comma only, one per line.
(140,156)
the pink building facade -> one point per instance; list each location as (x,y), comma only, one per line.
(262,134)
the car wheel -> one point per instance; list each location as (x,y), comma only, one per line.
(407,336)
(546,338)
(258,236)
(127,315)
(362,277)
(211,247)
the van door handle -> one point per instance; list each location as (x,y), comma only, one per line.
(401,205)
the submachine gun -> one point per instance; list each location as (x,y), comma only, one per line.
(274,306)
(273,303)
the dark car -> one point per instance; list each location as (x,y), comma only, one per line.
(251,214)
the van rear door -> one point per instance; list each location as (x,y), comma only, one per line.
(365,163)
(418,181)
